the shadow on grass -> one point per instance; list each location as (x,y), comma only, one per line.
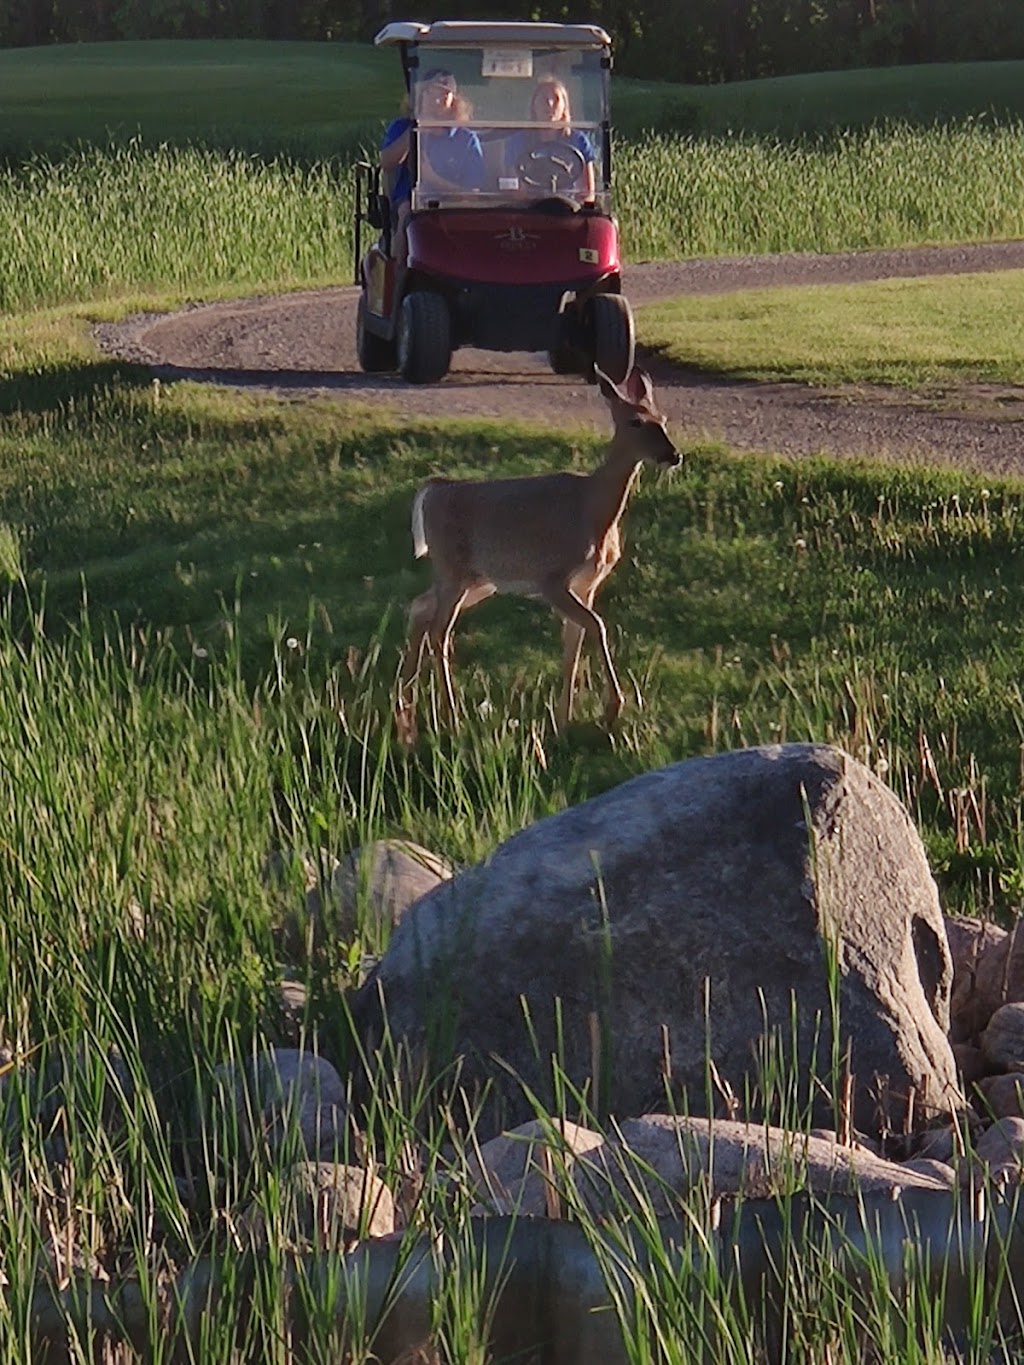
(75,384)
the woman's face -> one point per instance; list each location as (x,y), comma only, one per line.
(549,104)
(438,98)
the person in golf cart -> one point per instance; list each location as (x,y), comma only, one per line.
(451,157)
(550,103)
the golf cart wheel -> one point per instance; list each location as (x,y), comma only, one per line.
(562,360)
(424,337)
(613,337)
(376,354)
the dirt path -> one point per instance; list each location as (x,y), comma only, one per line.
(298,344)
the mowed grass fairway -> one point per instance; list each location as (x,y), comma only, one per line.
(204,590)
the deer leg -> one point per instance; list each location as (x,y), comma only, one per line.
(421,614)
(575,612)
(441,634)
(572,648)
(572,645)
(449,603)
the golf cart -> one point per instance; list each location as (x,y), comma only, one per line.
(525,259)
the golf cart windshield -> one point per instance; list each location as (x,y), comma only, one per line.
(502,124)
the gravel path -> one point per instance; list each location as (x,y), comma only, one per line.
(299,344)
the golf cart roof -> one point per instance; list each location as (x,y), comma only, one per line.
(470,33)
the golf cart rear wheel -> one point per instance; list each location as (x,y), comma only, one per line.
(376,354)
(424,337)
(612,334)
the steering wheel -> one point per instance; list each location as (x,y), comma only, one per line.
(555,168)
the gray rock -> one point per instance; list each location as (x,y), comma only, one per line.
(1003,1040)
(937,1144)
(524,1171)
(382,880)
(292,1002)
(970,1062)
(932,1169)
(1002,1096)
(655,1160)
(698,887)
(1002,1143)
(287,1099)
(983,972)
(326,1206)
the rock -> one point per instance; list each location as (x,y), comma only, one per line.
(937,1144)
(658,1158)
(1002,1143)
(292,1000)
(368,891)
(327,1206)
(970,1062)
(1002,1043)
(285,1096)
(386,877)
(1002,1096)
(698,885)
(973,1003)
(931,1169)
(524,1171)
(980,954)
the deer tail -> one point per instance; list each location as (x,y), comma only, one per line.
(419,534)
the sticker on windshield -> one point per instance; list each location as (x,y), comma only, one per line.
(508,61)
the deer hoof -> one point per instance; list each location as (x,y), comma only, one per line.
(405,726)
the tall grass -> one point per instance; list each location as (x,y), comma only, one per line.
(102,222)
(147,770)
(881,187)
(107,222)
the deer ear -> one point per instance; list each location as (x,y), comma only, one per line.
(639,387)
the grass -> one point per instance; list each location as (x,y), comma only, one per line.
(324,96)
(106,222)
(791,107)
(199,631)
(101,221)
(945,331)
(758,600)
(888,185)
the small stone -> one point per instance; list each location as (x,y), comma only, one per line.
(1002,1043)
(1002,1096)
(1002,1143)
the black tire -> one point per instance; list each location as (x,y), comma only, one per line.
(563,360)
(613,335)
(376,354)
(424,337)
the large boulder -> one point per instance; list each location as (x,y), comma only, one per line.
(722,908)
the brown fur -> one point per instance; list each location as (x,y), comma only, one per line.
(553,536)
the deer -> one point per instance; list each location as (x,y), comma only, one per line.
(549,536)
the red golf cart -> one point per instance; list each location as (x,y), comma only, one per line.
(526,258)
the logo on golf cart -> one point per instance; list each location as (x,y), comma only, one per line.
(515,239)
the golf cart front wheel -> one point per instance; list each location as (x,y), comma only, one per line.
(612,335)
(424,337)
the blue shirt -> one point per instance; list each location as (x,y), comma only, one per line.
(453,152)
